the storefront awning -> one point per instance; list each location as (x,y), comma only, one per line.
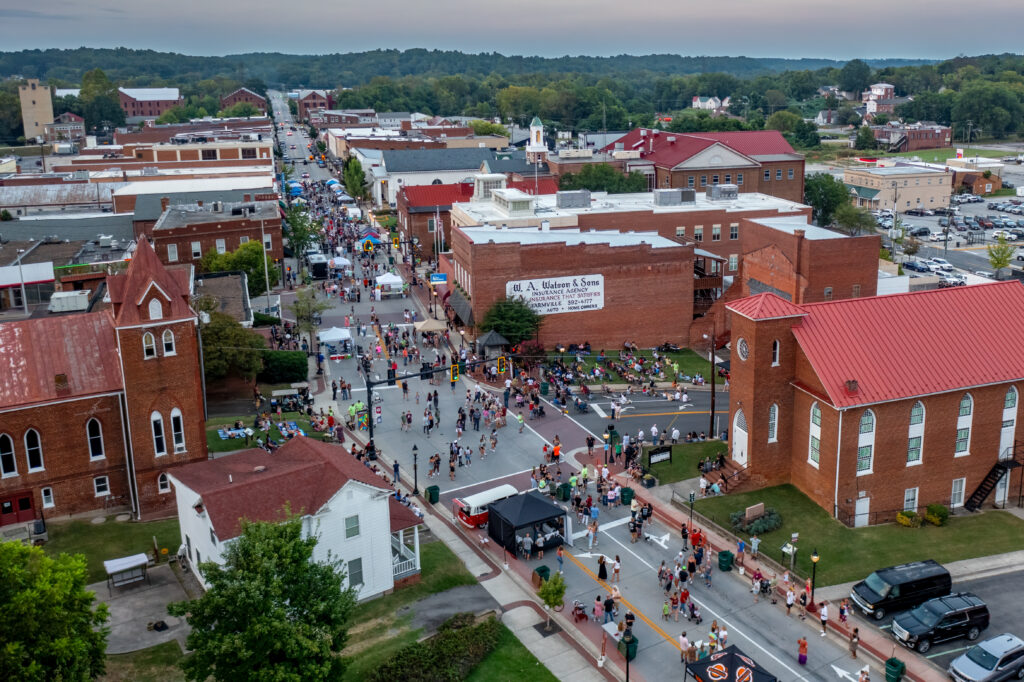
(461,307)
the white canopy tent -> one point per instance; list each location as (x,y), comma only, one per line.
(389,279)
(334,334)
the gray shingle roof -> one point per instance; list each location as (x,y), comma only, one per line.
(423,160)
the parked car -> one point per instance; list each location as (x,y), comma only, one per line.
(940,620)
(901,587)
(943,264)
(948,281)
(985,273)
(943,222)
(916,266)
(938,237)
(917,231)
(993,660)
(1005,234)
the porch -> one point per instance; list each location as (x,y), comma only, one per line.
(405,559)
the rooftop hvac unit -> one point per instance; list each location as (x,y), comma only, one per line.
(723,192)
(577,198)
(218,206)
(150,170)
(105,239)
(689,196)
(668,197)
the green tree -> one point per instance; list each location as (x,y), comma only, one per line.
(100,102)
(513,319)
(52,628)
(783,121)
(775,100)
(302,231)
(271,612)
(805,134)
(824,194)
(552,593)
(602,177)
(911,246)
(853,220)
(239,110)
(865,138)
(855,76)
(250,258)
(307,308)
(354,178)
(1000,255)
(846,116)
(230,349)
(481,127)
(880,119)
(990,107)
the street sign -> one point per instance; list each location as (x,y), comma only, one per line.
(376,409)
(438,278)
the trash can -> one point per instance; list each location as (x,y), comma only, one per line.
(627,495)
(564,492)
(543,572)
(725,559)
(433,494)
(544,387)
(629,649)
(894,670)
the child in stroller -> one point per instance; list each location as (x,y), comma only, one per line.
(579,612)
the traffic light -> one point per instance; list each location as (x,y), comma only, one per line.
(395,242)
(367,246)
(501,364)
(454,370)
(289,268)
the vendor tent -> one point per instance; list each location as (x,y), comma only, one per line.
(339,262)
(332,181)
(334,334)
(389,279)
(430,325)
(520,514)
(728,665)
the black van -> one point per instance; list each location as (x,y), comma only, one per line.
(901,587)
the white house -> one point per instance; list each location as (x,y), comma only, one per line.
(351,509)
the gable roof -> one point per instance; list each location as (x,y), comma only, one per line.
(151,94)
(425,160)
(670,149)
(906,345)
(144,272)
(766,306)
(253,484)
(33,352)
(254,94)
(444,196)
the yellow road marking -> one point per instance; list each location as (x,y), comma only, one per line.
(677,413)
(638,612)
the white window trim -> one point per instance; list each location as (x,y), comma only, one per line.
(963,493)
(96,487)
(163,484)
(42,493)
(178,449)
(153,419)
(865,440)
(197,250)
(964,422)
(148,341)
(221,246)
(163,344)
(14,458)
(39,442)
(88,439)
(172,253)
(773,437)
(814,432)
(917,431)
(356,517)
(916,505)
(776,352)
(155,309)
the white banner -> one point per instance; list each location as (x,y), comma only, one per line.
(552,295)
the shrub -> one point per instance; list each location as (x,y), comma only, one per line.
(909,519)
(283,367)
(769,521)
(936,514)
(262,320)
(450,655)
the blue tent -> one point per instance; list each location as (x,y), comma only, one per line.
(332,181)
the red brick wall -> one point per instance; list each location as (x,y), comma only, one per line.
(753,179)
(415,225)
(207,234)
(133,107)
(242,96)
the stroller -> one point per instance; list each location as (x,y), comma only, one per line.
(579,612)
(581,406)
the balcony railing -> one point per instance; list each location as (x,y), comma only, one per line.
(707,283)
(403,559)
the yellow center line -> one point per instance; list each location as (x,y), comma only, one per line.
(678,413)
(638,612)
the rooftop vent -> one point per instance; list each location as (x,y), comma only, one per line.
(723,192)
(577,198)
(689,196)
(668,197)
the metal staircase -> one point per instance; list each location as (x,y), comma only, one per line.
(1010,459)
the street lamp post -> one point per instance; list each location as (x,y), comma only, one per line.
(415,471)
(814,571)
(462,341)
(433,305)
(693,496)
(627,637)
(21,276)
(607,446)
(711,378)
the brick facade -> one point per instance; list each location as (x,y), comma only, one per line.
(151,107)
(244,95)
(176,244)
(783,179)
(310,102)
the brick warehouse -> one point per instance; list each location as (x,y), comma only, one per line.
(98,407)
(488,260)
(871,406)
(183,233)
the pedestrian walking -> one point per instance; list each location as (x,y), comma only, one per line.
(394,468)
(723,635)
(824,617)
(740,547)
(602,568)
(684,647)
(616,567)
(598,609)
(801,655)
(560,555)
(854,642)
(790,600)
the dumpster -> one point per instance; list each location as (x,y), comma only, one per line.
(725,559)
(433,494)
(544,387)
(564,492)
(628,649)
(627,495)
(894,670)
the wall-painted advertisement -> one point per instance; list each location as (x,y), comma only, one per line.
(551,295)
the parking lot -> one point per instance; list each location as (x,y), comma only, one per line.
(1004,595)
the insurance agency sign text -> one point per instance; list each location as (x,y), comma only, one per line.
(551,295)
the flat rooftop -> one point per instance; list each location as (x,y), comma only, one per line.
(192,214)
(185,173)
(790,224)
(898,170)
(537,235)
(200,185)
(545,206)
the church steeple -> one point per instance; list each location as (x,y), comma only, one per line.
(536,149)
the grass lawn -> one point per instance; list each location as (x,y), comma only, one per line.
(690,363)
(216,444)
(155,664)
(510,662)
(943,153)
(850,554)
(684,460)
(110,540)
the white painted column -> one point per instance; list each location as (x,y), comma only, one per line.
(416,544)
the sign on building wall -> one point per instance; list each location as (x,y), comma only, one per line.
(551,295)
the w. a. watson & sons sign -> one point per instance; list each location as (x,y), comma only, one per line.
(552,295)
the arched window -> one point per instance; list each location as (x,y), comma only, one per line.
(773,423)
(814,445)
(8,464)
(33,450)
(776,346)
(866,444)
(964,420)
(1010,401)
(94,432)
(156,311)
(163,484)
(915,434)
(168,342)
(177,430)
(159,443)
(148,346)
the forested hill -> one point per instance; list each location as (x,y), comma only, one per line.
(148,67)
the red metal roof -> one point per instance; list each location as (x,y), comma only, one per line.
(144,271)
(906,345)
(445,195)
(33,352)
(657,147)
(766,306)
(303,473)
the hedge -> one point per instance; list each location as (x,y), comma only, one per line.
(262,320)
(766,523)
(284,366)
(449,656)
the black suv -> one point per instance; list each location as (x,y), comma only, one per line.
(940,619)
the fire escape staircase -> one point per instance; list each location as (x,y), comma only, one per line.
(1011,459)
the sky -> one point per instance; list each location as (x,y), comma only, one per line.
(936,29)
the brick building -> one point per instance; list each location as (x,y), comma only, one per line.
(99,407)
(184,233)
(870,406)
(36,107)
(309,101)
(198,131)
(899,137)
(67,127)
(755,161)
(147,201)
(139,103)
(244,95)
(589,286)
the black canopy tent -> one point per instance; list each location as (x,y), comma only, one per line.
(507,517)
(728,665)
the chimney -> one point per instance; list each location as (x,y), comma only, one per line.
(852,387)
(164,201)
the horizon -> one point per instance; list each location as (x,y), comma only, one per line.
(787,29)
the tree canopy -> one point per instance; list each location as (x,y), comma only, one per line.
(513,319)
(250,258)
(52,628)
(354,178)
(481,127)
(1000,255)
(824,194)
(865,139)
(602,177)
(230,349)
(853,220)
(271,613)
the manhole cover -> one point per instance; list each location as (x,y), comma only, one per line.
(97,520)
(124,517)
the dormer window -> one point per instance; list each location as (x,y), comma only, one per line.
(156,311)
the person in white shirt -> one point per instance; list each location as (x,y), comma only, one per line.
(684,646)
(654,433)
(675,436)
